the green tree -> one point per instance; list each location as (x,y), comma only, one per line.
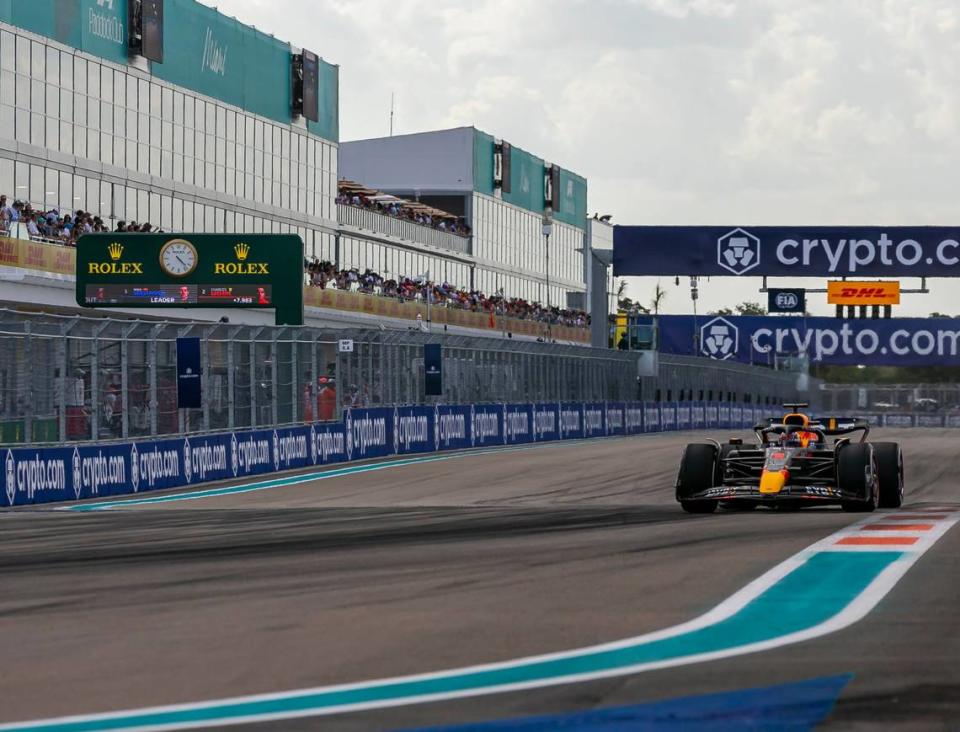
(750,308)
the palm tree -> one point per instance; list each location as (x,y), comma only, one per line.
(659,295)
(621,288)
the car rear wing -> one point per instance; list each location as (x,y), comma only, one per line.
(829,426)
(834,426)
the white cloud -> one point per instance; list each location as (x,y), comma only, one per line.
(677,111)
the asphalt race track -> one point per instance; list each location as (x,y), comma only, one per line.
(451,563)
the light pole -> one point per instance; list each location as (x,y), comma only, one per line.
(547,230)
(694,296)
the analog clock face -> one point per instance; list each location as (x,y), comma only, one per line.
(178,258)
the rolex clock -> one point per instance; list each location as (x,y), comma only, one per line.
(178,258)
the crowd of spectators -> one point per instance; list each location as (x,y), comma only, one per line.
(400,209)
(57,227)
(442,294)
(65,228)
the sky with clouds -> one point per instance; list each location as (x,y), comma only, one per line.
(677,111)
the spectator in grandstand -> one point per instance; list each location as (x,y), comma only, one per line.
(324,274)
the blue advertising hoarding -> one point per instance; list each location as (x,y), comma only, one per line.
(58,474)
(413,429)
(487,425)
(546,422)
(452,427)
(759,339)
(616,419)
(517,424)
(787,251)
(594,420)
(571,422)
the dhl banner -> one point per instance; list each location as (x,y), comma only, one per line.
(863,293)
(42,257)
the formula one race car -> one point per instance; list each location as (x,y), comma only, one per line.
(793,464)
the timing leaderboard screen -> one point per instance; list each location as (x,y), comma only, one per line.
(253,295)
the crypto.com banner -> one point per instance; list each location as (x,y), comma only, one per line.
(787,251)
(757,339)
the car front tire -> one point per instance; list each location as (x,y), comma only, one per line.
(698,468)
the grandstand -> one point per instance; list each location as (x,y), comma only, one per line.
(209,135)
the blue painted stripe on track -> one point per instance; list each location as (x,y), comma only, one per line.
(795,706)
(809,595)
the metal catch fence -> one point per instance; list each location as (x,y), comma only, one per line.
(71,378)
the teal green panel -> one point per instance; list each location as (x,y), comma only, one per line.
(573,199)
(266,76)
(224,59)
(483,152)
(103,29)
(38,16)
(100,30)
(526,181)
(328,126)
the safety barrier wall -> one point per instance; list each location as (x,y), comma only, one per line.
(57,474)
(891,419)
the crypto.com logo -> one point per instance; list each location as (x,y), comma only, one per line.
(738,251)
(719,339)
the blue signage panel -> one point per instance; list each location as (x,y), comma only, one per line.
(782,300)
(651,417)
(571,421)
(328,444)
(668,416)
(594,423)
(487,425)
(785,251)
(452,427)
(413,429)
(517,424)
(616,418)
(698,415)
(633,417)
(433,369)
(189,395)
(546,422)
(207,458)
(759,339)
(372,433)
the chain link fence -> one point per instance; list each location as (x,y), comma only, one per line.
(70,378)
(931,398)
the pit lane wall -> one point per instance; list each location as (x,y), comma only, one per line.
(58,474)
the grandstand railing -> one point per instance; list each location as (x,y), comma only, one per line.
(367,220)
(60,261)
(437,316)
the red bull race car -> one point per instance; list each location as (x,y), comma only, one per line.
(797,461)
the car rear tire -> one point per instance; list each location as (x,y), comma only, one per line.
(698,468)
(889,459)
(854,464)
